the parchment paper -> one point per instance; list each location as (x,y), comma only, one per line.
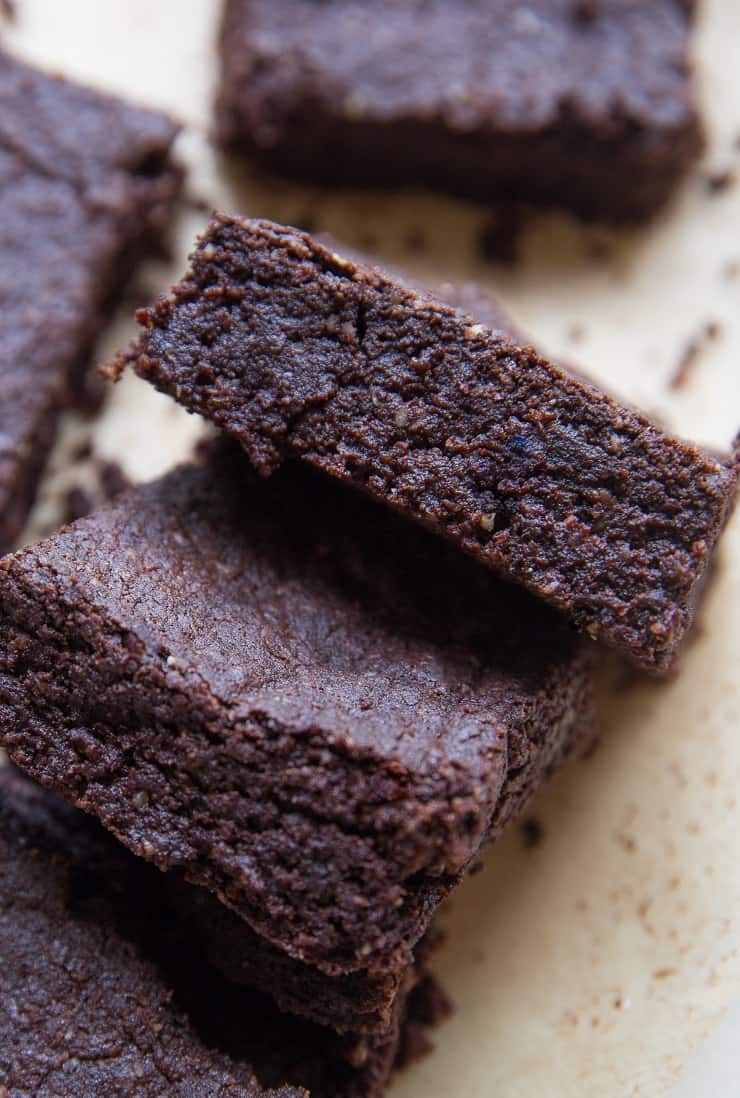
(597,962)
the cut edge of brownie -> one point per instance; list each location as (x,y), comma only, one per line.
(271,336)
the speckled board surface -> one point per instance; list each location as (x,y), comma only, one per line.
(600,947)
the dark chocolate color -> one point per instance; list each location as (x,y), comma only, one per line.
(308,706)
(551,102)
(86,187)
(84,1011)
(300,353)
(104,989)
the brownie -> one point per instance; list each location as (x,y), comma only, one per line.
(302,354)
(361,1003)
(306,705)
(105,992)
(588,106)
(87,185)
(83,1010)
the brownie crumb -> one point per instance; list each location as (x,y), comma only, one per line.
(533,832)
(415,1045)
(83,452)
(585,11)
(731,270)
(576,333)
(78,504)
(428,1003)
(308,221)
(368,242)
(196,202)
(427,1006)
(9,10)
(415,240)
(499,239)
(719,182)
(89,396)
(599,250)
(691,352)
(113,480)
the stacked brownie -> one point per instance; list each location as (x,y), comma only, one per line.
(105,991)
(88,186)
(309,711)
(294,701)
(278,701)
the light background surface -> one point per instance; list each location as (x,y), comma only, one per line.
(599,962)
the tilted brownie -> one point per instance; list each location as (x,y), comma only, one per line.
(86,188)
(585,104)
(306,705)
(300,353)
(104,992)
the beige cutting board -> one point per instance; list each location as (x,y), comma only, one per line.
(598,962)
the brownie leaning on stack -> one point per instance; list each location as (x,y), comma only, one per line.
(301,353)
(88,187)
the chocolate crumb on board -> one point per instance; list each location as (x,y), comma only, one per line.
(719,182)
(429,1003)
(415,240)
(691,352)
(9,10)
(83,451)
(196,202)
(533,832)
(500,237)
(308,220)
(585,11)
(113,480)
(78,504)
(599,250)
(731,270)
(80,501)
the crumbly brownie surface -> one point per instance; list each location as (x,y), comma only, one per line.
(84,1011)
(557,102)
(86,186)
(106,990)
(300,353)
(312,708)
(360,1002)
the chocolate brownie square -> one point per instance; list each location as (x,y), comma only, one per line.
(584,105)
(87,186)
(303,354)
(104,992)
(300,702)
